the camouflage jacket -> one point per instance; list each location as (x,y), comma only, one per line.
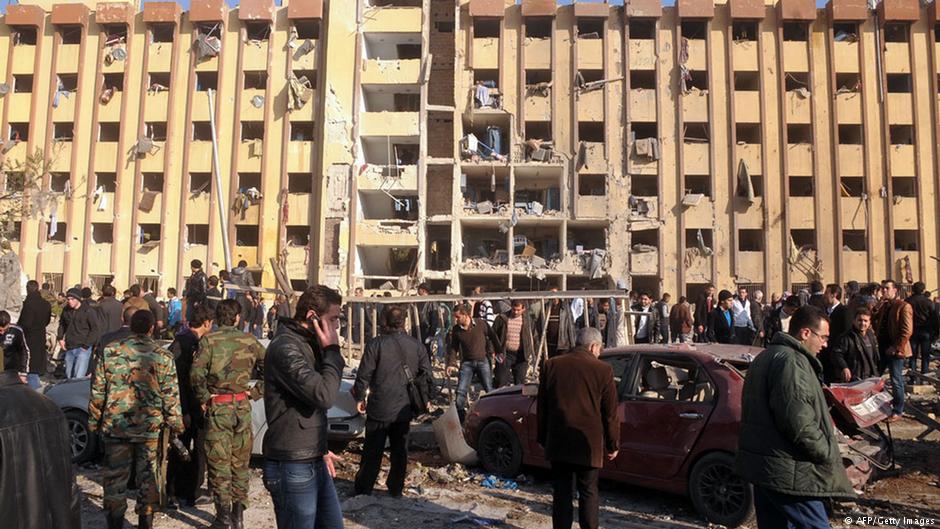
(135,391)
(227,360)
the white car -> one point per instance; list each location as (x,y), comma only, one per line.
(72,396)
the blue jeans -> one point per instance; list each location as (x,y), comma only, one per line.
(304,495)
(467,369)
(895,366)
(76,362)
(32,380)
(920,345)
(781,511)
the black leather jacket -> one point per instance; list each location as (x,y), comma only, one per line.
(301,381)
(39,490)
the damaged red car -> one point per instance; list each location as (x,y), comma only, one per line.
(680,411)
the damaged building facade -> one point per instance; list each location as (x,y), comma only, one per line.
(477,143)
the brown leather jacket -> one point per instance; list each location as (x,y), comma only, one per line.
(900,322)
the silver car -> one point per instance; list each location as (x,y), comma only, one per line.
(72,396)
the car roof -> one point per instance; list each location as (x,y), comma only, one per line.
(735,354)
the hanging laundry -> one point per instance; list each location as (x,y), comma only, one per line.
(53,220)
(700,239)
(60,91)
(745,186)
(299,91)
(494,136)
(481,95)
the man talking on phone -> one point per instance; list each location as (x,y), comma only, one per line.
(303,371)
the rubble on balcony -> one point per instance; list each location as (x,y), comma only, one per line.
(245,198)
(543,89)
(582,87)
(486,207)
(300,90)
(115,44)
(475,149)
(538,150)
(207,43)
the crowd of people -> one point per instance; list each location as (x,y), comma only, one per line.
(197,391)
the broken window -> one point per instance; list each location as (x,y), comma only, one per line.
(644,185)
(590,28)
(19,132)
(799,133)
(902,134)
(850,134)
(59,182)
(904,186)
(588,238)
(102,232)
(408,51)
(162,32)
(407,102)
(199,182)
(644,240)
(692,238)
(444,26)
(486,192)
(748,133)
(750,240)
(746,81)
(307,29)
(297,235)
(62,131)
(11,230)
(252,130)
(68,82)
(23,35)
(594,185)
(796,81)
(159,82)
(197,233)
(643,79)
(207,81)
(538,27)
(757,185)
(156,131)
(698,185)
(153,182)
(22,84)
(744,30)
(302,130)
(845,31)
(853,186)
(896,32)
(642,28)
(115,81)
(847,82)
(694,29)
(202,131)
(698,81)
(256,80)
(696,132)
(906,240)
(299,183)
(149,233)
(796,31)
(591,131)
(57,232)
(486,28)
(249,180)
(107,181)
(854,240)
(438,240)
(257,30)
(71,34)
(246,235)
(540,130)
(801,186)
(109,131)
(899,83)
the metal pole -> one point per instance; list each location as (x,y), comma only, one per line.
(220,197)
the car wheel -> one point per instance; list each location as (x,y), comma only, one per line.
(82,442)
(718,493)
(499,450)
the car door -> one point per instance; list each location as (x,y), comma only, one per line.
(659,427)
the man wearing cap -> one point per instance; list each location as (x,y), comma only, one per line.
(227,360)
(196,287)
(78,332)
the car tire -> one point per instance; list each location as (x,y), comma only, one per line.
(499,450)
(718,493)
(82,441)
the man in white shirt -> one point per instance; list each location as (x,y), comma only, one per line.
(743,324)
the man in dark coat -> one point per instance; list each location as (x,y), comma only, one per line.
(34,318)
(721,320)
(112,337)
(111,309)
(78,332)
(704,306)
(775,322)
(578,426)
(855,355)
(381,375)
(787,447)
(840,322)
(925,327)
(36,472)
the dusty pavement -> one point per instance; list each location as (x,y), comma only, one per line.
(439,495)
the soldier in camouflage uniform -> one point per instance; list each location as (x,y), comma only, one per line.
(226,361)
(134,395)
